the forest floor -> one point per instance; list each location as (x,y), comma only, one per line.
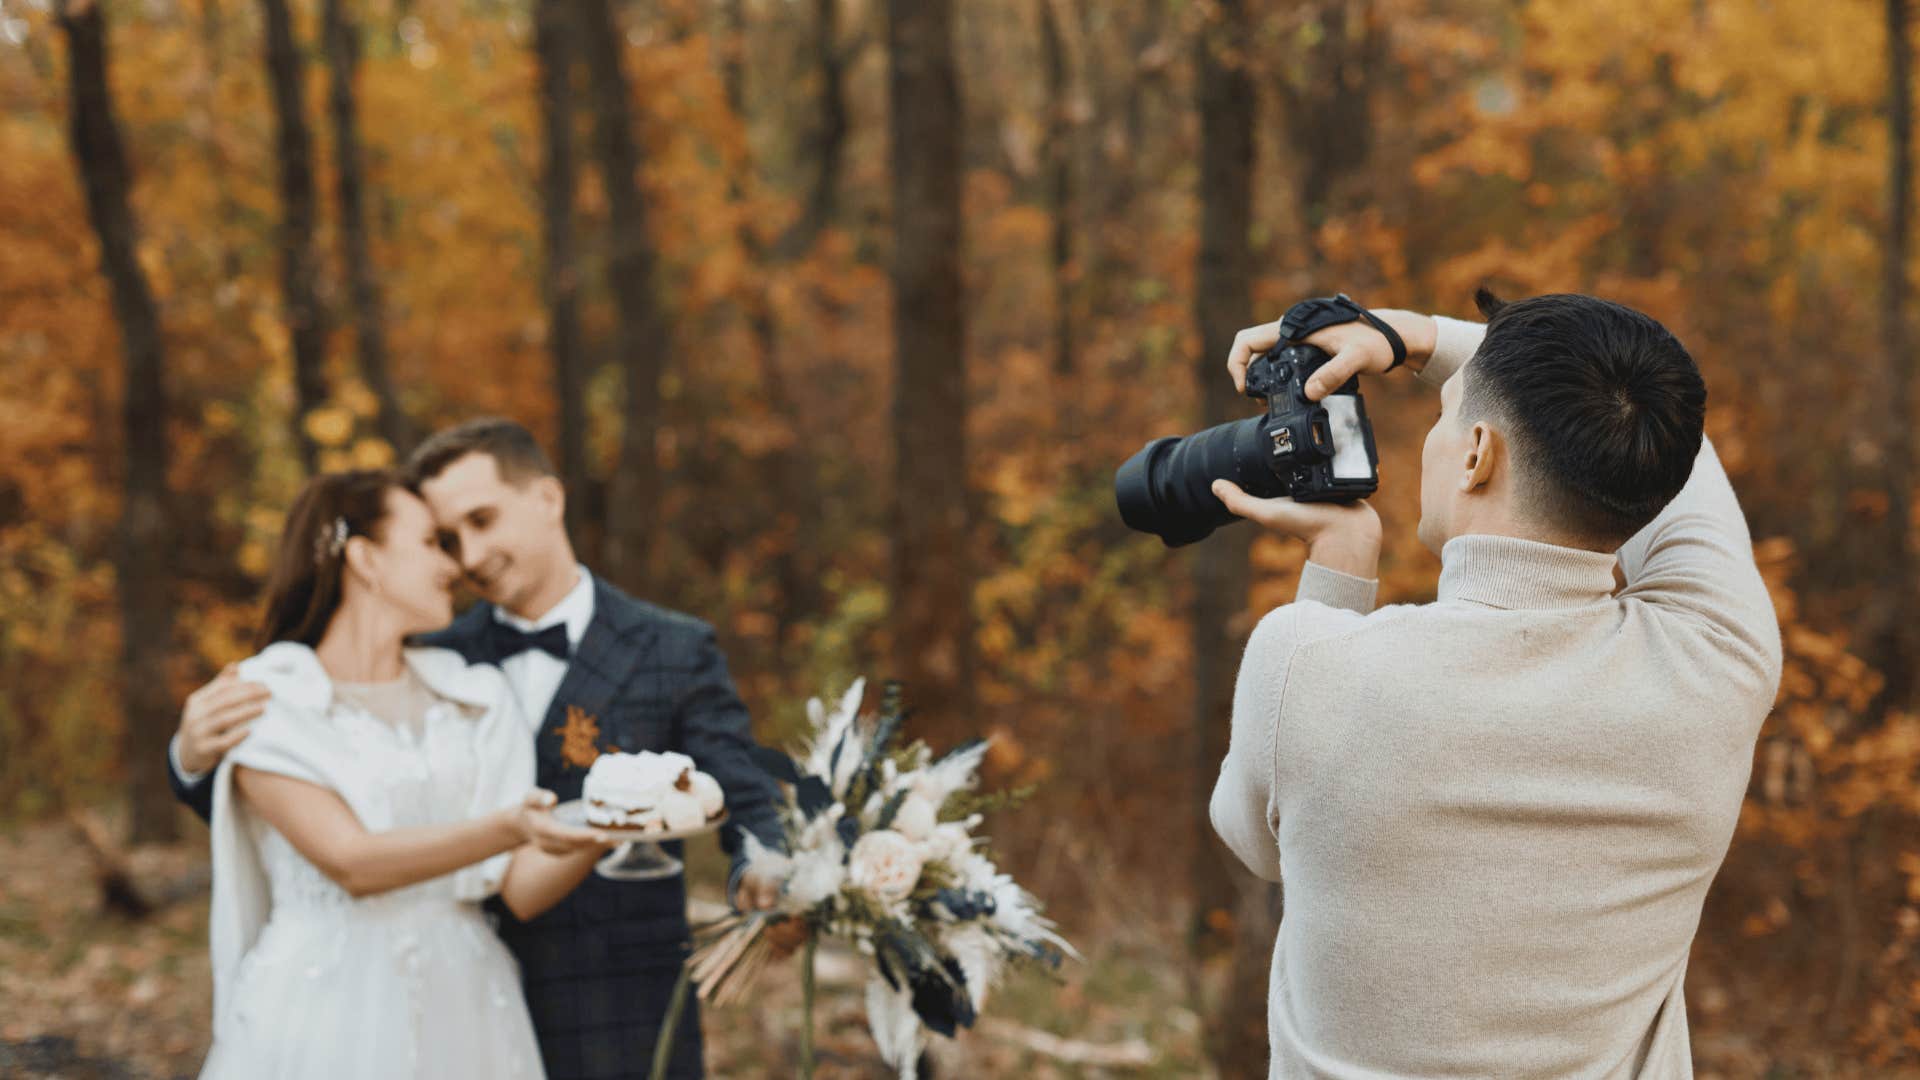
(87,994)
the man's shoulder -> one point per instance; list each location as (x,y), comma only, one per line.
(613,603)
(1306,622)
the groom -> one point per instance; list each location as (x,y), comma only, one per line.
(590,665)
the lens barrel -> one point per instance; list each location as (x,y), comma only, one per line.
(1167,488)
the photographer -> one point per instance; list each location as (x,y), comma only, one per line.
(1497,814)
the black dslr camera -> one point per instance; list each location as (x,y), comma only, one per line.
(1312,451)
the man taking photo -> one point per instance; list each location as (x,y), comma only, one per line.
(1497,814)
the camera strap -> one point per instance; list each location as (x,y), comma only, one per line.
(1308,316)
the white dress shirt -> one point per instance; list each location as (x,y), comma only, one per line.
(179,770)
(535,675)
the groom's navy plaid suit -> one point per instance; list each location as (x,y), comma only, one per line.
(599,968)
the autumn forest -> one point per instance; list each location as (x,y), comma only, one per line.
(836,317)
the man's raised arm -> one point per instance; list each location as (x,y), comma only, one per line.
(1696,556)
(1454,343)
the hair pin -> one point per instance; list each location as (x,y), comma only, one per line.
(331,541)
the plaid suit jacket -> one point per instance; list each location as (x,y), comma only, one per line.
(599,967)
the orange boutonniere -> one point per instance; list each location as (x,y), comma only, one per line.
(579,738)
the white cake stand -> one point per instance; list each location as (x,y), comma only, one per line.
(639,856)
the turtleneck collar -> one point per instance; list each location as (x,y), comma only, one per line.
(1508,572)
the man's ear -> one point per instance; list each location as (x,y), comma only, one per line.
(553,497)
(1484,448)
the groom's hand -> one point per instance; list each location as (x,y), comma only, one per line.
(216,717)
(756,892)
(1355,348)
(786,936)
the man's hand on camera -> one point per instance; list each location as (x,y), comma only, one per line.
(1339,536)
(1355,347)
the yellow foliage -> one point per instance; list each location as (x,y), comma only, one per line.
(255,559)
(1719,164)
(330,426)
(372,453)
(359,401)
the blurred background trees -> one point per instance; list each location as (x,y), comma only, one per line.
(838,315)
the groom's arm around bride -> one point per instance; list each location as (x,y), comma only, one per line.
(593,670)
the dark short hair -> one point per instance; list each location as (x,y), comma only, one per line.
(304,590)
(1604,406)
(512,447)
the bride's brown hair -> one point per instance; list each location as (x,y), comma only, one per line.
(304,591)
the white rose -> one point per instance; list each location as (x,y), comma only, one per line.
(885,864)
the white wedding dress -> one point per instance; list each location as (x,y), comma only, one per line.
(310,982)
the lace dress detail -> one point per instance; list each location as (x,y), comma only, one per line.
(408,983)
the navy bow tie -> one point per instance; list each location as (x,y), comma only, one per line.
(505,641)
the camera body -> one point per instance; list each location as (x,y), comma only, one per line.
(1313,451)
(1314,447)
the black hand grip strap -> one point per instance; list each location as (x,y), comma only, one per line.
(1318,313)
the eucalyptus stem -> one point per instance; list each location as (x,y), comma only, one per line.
(669,1027)
(806,1008)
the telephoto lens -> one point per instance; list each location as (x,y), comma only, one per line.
(1167,487)
(1313,451)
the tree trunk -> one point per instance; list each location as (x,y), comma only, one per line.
(1145,44)
(1888,617)
(146,601)
(342,44)
(640,332)
(1233,911)
(556,47)
(1897,644)
(1327,101)
(213,40)
(829,137)
(1060,191)
(1127,80)
(306,324)
(791,468)
(932,579)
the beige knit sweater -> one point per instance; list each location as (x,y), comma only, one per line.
(1496,815)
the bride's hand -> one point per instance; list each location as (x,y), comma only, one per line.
(534,818)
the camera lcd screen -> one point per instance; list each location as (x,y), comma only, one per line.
(1349,441)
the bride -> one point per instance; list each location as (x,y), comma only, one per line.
(385,792)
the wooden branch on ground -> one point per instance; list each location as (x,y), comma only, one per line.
(117,891)
(121,893)
(1130,1054)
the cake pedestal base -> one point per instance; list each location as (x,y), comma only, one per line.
(639,856)
(638,860)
